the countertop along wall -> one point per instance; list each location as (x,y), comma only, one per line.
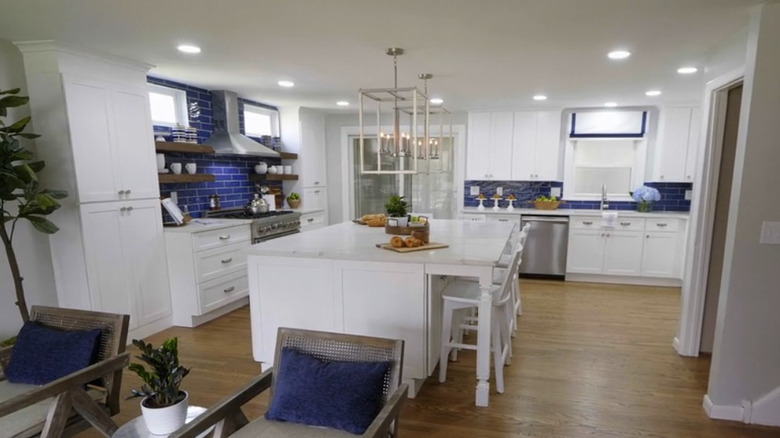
(31,246)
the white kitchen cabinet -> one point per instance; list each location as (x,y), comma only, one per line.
(113,152)
(315,198)
(312,155)
(536,145)
(207,271)
(505,218)
(489,150)
(662,251)
(593,249)
(313,220)
(677,144)
(125,253)
(473,217)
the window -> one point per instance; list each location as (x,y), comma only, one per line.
(259,121)
(168,106)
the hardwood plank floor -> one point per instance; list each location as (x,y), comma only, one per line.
(589,360)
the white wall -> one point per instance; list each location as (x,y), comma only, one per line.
(31,246)
(726,56)
(746,356)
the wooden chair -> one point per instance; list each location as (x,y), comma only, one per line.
(334,347)
(89,396)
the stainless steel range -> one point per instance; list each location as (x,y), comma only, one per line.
(265,226)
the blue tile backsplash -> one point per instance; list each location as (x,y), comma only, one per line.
(232,182)
(672,195)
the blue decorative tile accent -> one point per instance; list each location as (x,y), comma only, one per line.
(232,172)
(672,195)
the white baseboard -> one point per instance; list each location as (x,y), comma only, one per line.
(200,319)
(617,279)
(149,329)
(765,410)
(722,412)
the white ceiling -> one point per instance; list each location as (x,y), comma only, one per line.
(489,54)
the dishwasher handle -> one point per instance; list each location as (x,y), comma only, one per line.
(557,220)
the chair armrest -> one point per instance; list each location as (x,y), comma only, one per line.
(227,406)
(71,381)
(388,414)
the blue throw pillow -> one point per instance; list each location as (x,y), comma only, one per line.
(42,354)
(339,395)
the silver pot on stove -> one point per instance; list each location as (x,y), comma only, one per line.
(256,205)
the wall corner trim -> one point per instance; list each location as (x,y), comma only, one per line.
(722,412)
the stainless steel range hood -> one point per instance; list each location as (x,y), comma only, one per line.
(227,138)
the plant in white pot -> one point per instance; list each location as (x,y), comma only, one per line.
(164,404)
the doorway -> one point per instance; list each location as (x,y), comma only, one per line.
(725,176)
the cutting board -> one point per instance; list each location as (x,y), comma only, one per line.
(431,245)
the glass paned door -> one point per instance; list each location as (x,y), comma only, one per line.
(371,191)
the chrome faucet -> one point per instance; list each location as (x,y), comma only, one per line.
(604,201)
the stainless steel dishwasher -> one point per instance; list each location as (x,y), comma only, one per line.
(544,253)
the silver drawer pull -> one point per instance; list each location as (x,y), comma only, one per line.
(224,237)
(625,224)
(311,219)
(503,220)
(230,289)
(316,191)
(227,260)
(660,225)
(587,222)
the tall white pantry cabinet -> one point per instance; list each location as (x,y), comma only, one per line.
(92,113)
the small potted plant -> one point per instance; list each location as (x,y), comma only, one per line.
(644,197)
(396,208)
(164,404)
(294,200)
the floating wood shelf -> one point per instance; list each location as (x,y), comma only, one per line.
(169,178)
(288,156)
(272,177)
(189,148)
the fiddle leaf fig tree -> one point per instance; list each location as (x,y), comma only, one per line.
(21,194)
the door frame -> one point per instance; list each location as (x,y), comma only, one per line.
(702,219)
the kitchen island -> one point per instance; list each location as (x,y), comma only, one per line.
(336,279)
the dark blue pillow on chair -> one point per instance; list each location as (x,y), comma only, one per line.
(42,354)
(339,395)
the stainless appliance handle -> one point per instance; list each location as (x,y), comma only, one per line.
(559,220)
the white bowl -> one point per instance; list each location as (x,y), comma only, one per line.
(260,169)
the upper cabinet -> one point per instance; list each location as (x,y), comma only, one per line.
(536,145)
(677,144)
(312,156)
(113,150)
(489,151)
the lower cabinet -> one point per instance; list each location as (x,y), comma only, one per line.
(313,220)
(125,254)
(207,271)
(635,247)
(473,217)
(504,218)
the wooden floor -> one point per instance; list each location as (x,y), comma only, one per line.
(590,360)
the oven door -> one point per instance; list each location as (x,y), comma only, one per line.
(274,236)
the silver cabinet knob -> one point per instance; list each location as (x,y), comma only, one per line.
(121,192)
(130,208)
(123,209)
(127,192)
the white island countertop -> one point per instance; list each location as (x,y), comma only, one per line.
(469,243)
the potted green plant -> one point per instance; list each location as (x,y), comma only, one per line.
(294,200)
(21,193)
(396,208)
(164,404)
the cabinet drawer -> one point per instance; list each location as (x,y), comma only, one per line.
(221,291)
(311,221)
(632,224)
(221,237)
(585,223)
(504,218)
(671,225)
(217,262)
(471,217)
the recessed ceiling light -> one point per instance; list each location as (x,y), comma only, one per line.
(610,104)
(437,101)
(342,103)
(286,84)
(618,54)
(653,93)
(687,70)
(186,48)
(540,97)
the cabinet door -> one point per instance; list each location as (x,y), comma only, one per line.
(622,253)
(132,144)
(504,218)
(501,131)
(693,145)
(672,144)
(548,145)
(478,148)
(585,251)
(315,198)
(524,146)
(313,151)
(146,267)
(312,221)
(110,287)
(89,107)
(659,255)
